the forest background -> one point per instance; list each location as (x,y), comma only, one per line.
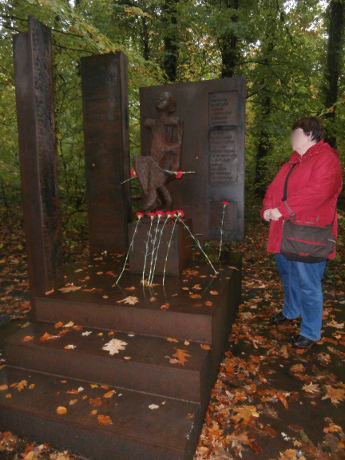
(291,53)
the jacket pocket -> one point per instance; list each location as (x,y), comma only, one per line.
(312,219)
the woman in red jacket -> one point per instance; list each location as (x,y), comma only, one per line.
(313,189)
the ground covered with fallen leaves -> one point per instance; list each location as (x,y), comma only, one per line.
(270,401)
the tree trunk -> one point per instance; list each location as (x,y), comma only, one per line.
(145,39)
(334,61)
(228,44)
(170,39)
(264,144)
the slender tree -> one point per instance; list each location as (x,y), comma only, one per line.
(334,62)
(169,18)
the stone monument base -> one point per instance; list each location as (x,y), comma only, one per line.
(180,251)
(106,372)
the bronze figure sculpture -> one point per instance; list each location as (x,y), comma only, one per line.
(156,170)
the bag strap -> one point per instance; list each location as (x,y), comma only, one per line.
(285,190)
(286,182)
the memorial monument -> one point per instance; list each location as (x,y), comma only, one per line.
(119,361)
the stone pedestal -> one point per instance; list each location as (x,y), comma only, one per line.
(180,252)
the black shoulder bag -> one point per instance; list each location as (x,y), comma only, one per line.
(305,243)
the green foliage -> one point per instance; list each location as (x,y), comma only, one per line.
(280,47)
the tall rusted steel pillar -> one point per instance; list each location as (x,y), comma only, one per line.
(38,157)
(106,134)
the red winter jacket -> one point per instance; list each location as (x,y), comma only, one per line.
(313,189)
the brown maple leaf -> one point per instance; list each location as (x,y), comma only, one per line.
(195,296)
(197,287)
(239,437)
(332,428)
(335,394)
(69,288)
(27,338)
(311,388)
(104,420)
(47,336)
(271,431)
(165,306)
(109,394)
(61,410)
(95,401)
(74,391)
(297,368)
(181,355)
(245,413)
(21,385)
(131,300)
(283,400)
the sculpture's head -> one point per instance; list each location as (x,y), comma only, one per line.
(166,102)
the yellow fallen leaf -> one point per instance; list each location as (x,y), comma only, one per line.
(104,420)
(131,300)
(109,394)
(61,410)
(335,394)
(181,355)
(21,385)
(69,288)
(27,338)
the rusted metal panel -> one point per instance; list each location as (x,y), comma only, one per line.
(213,114)
(105,110)
(38,157)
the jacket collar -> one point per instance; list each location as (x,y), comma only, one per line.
(311,152)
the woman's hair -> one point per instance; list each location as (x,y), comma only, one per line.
(310,125)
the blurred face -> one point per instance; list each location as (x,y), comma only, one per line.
(300,141)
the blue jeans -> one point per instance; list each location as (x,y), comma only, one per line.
(303,293)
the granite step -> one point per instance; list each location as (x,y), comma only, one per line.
(97,422)
(134,361)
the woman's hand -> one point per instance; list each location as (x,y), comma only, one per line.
(267,215)
(275,214)
(272,214)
